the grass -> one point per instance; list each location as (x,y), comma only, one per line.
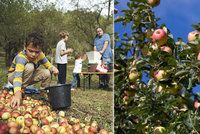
(90,104)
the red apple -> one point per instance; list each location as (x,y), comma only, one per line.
(92,129)
(192,35)
(44,113)
(153,2)
(13,130)
(28,122)
(44,121)
(53,130)
(198,57)
(15,114)
(12,124)
(103,131)
(34,128)
(166,49)
(159,36)
(35,113)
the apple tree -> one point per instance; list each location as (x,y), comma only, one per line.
(154,75)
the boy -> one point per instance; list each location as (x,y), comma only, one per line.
(24,69)
(61,56)
(77,70)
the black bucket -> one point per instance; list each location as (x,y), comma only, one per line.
(59,96)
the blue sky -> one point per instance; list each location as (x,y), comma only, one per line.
(178,15)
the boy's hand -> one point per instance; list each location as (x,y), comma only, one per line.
(55,71)
(69,50)
(16,99)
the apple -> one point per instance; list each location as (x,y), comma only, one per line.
(15,114)
(196,104)
(4,128)
(198,56)
(53,130)
(166,49)
(103,131)
(153,2)
(159,36)
(61,130)
(76,127)
(133,76)
(44,113)
(6,115)
(35,113)
(25,130)
(50,119)
(86,129)
(34,128)
(192,35)
(12,124)
(35,121)
(80,131)
(46,128)
(20,120)
(160,75)
(54,125)
(92,129)
(44,121)
(13,130)
(159,130)
(61,113)
(28,122)
(27,115)
(39,131)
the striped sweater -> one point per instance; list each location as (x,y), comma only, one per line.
(18,67)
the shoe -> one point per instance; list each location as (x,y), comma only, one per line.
(101,86)
(106,86)
(73,89)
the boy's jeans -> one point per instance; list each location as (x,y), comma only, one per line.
(32,76)
(76,80)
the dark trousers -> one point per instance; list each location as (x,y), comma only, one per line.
(62,68)
(76,80)
(105,78)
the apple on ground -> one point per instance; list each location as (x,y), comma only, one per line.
(6,115)
(46,128)
(13,130)
(28,121)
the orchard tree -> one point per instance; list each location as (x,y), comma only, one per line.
(154,76)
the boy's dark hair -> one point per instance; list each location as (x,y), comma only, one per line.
(35,38)
(77,56)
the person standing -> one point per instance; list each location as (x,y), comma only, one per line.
(102,44)
(61,56)
(77,70)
